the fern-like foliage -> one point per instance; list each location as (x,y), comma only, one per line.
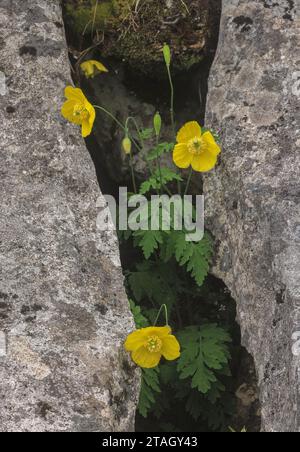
(195,256)
(149,389)
(204,352)
(139,319)
(159,178)
(159,150)
(215,415)
(213,408)
(149,241)
(155,282)
(146,134)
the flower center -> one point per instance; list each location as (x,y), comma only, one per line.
(195,146)
(154,344)
(80,111)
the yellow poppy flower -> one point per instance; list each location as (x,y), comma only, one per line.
(78,110)
(195,148)
(148,345)
(92,67)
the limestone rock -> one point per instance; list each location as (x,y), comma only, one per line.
(63,309)
(252,198)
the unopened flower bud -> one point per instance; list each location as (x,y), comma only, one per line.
(167,54)
(157,124)
(126,144)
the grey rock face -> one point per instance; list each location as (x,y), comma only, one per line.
(63,310)
(253,196)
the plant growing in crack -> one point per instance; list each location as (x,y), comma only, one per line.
(171,270)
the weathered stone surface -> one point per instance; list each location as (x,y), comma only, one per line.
(253,196)
(63,309)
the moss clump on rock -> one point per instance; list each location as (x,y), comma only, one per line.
(135,30)
(86,16)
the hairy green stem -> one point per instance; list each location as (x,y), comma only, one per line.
(188,181)
(132,119)
(111,116)
(133,174)
(158,164)
(163,306)
(172,102)
(173,115)
(124,128)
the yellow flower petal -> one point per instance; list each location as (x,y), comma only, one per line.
(143,358)
(92,112)
(139,337)
(209,140)
(68,109)
(87,68)
(78,110)
(135,340)
(188,131)
(204,162)
(90,67)
(99,66)
(160,331)
(171,348)
(86,128)
(181,156)
(76,94)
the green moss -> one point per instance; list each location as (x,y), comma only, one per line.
(138,36)
(188,61)
(84,15)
